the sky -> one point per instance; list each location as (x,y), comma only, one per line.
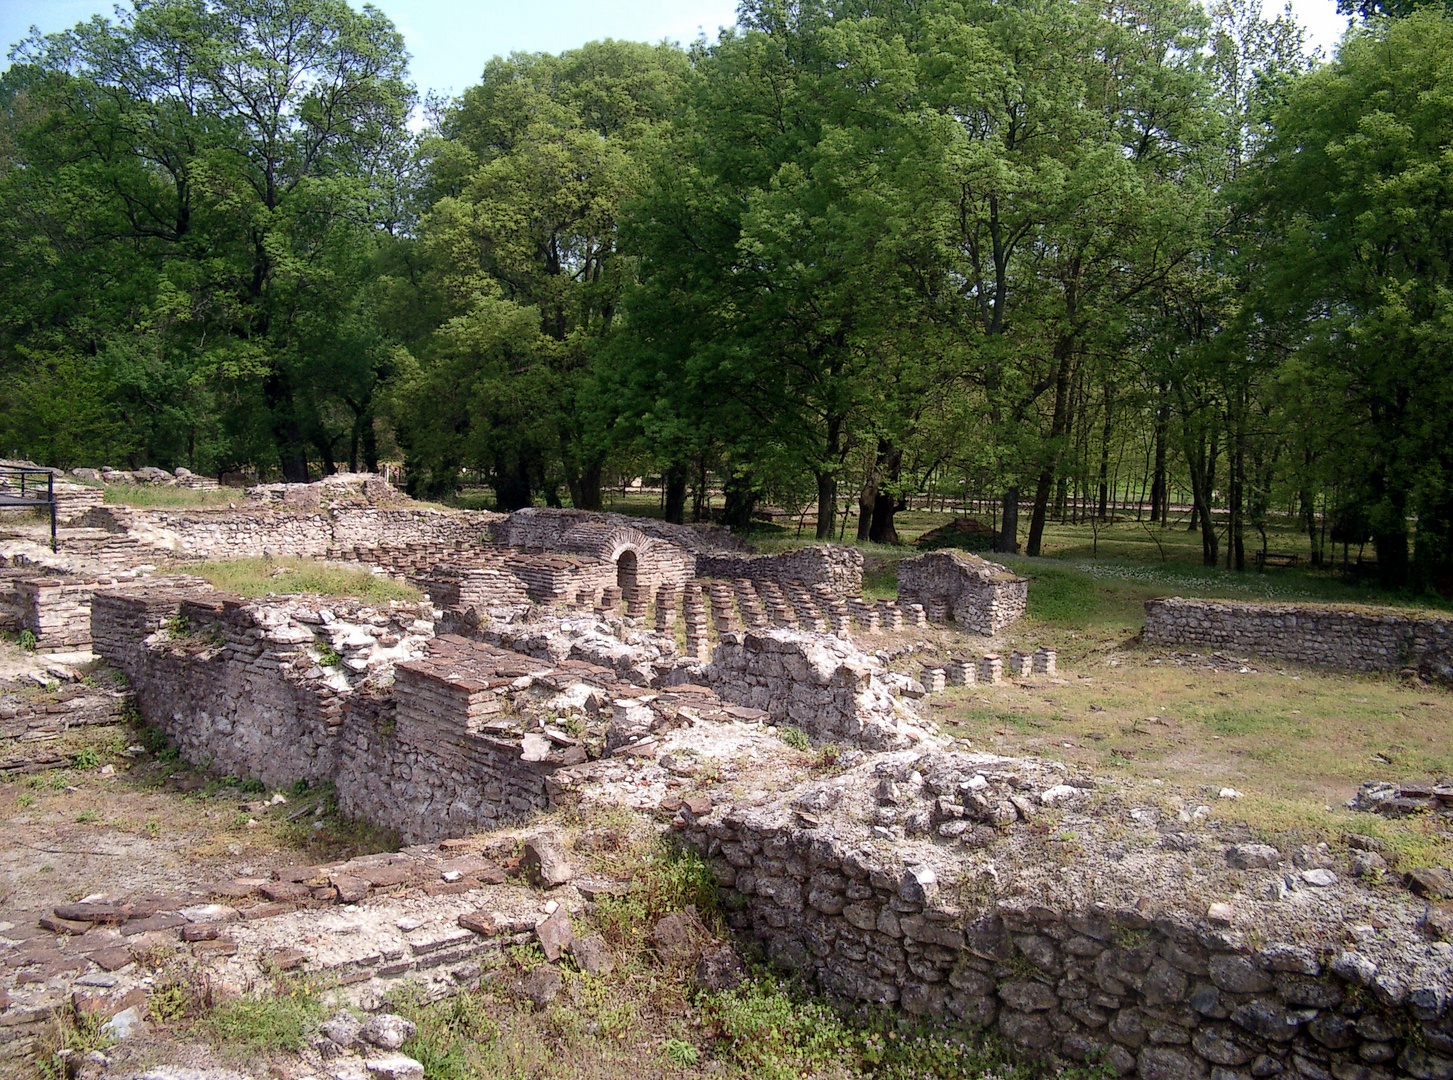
(450,40)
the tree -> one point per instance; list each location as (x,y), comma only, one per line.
(527,176)
(202,173)
(1356,182)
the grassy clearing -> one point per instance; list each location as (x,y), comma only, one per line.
(145,496)
(1296,742)
(269,577)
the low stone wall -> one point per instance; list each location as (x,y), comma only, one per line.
(818,683)
(248,532)
(1355,639)
(404,736)
(539,528)
(1160,997)
(840,568)
(980,596)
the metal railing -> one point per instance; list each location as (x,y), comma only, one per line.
(33,488)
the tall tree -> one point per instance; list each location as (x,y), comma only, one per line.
(222,155)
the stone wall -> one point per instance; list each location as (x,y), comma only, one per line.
(1161,997)
(239,533)
(818,683)
(1356,639)
(980,596)
(407,737)
(539,528)
(840,568)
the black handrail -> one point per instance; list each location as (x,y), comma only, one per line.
(35,497)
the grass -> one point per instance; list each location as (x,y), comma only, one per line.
(268,577)
(279,1020)
(144,496)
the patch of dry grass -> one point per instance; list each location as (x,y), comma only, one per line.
(269,577)
(147,497)
(1296,742)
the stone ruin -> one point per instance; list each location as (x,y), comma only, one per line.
(977,595)
(566,659)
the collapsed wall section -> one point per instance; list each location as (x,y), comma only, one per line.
(839,568)
(1355,639)
(978,595)
(819,683)
(540,528)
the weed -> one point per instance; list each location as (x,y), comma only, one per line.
(72,1034)
(25,799)
(86,758)
(85,817)
(329,656)
(680,1053)
(278,1021)
(178,626)
(794,737)
(28,640)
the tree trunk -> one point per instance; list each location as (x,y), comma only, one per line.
(869,496)
(699,493)
(1050,465)
(585,487)
(675,483)
(887,503)
(1105,455)
(1009,525)
(827,479)
(512,489)
(826,504)
(1159,497)
(287,432)
(740,499)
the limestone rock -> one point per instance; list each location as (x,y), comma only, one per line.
(542,985)
(592,956)
(1252,856)
(387,1031)
(1431,882)
(720,969)
(555,935)
(395,1067)
(343,1029)
(674,936)
(544,862)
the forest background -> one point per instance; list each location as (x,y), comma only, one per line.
(1062,251)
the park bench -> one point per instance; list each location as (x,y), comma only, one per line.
(1276,558)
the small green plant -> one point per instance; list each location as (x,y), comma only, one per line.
(25,799)
(250,786)
(86,758)
(329,656)
(680,1053)
(794,737)
(178,626)
(28,640)
(73,1035)
(277,1022)
(85,817)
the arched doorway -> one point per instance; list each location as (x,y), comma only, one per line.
(626,572)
